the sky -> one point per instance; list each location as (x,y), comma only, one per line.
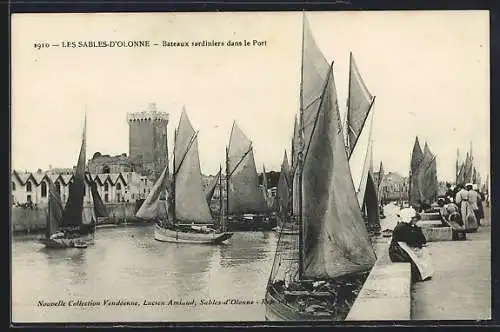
(428,70)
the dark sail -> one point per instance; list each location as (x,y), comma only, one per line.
(380,175)
(72,215)
(371,203)
(100,209)
(211,188)
(358,105)
(314,73)
(335,239)
(283,191)
(427,176)
(416,159)
(55,209)
(245,195)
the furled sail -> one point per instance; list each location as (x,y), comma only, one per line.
(359,104)
(212,186)
(416,159)
(152,208)
(283,190)
(55,209)
(72,215)
(264,185)
(285,167)
(190,201)
(100,209)
(335,239)
(295,142)
(371,202)
(245,196)
(381,175)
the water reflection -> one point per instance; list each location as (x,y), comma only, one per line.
(127,263)
(247,248)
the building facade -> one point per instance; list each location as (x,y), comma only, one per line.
(393,187)
(148,141)
(106,164)
(32,188)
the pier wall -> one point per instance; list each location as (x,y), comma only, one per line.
(386,293)
(27,220)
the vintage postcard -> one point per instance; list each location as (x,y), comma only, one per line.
(257,166)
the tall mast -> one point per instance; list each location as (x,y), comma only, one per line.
(221,210)
(348,104)
(227,182)
(174,219)
(300,154)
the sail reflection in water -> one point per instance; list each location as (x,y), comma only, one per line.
(128,264)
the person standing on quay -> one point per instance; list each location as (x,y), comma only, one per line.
(466,209)
(478,208)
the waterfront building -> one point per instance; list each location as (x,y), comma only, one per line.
(393,187)
(32,188)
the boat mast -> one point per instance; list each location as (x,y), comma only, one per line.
(221,209)
(174,219)
(227,182)
(300,155)
(346,124)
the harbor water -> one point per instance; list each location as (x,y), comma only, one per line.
(127,276)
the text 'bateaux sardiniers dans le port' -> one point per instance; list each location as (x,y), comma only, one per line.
(69,44)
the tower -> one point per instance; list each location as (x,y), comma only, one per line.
(148,140)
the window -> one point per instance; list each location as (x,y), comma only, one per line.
(44,189)
(106,169)
(58,187)
(28,198)
(118,186)
(106,187)
(28,186)
(106,198)
(13,185)
(118,197)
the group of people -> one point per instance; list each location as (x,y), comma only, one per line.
(463,205)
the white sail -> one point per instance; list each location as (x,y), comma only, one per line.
(360,159)
(151,208)
(190,201)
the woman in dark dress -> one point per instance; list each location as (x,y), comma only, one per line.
(407,231)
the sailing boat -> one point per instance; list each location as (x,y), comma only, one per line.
(190,217)
(246,208)
(334,251)
(67,228)
(359,145)
(286,226)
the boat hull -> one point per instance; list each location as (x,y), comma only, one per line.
(168,235)
(65,243)
(277,310)
(285,231)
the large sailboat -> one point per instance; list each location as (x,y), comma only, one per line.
(73,225)
(317,276)
(246,207)
(186,216)
(359,145)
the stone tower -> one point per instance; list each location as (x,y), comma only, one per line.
(148,141)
